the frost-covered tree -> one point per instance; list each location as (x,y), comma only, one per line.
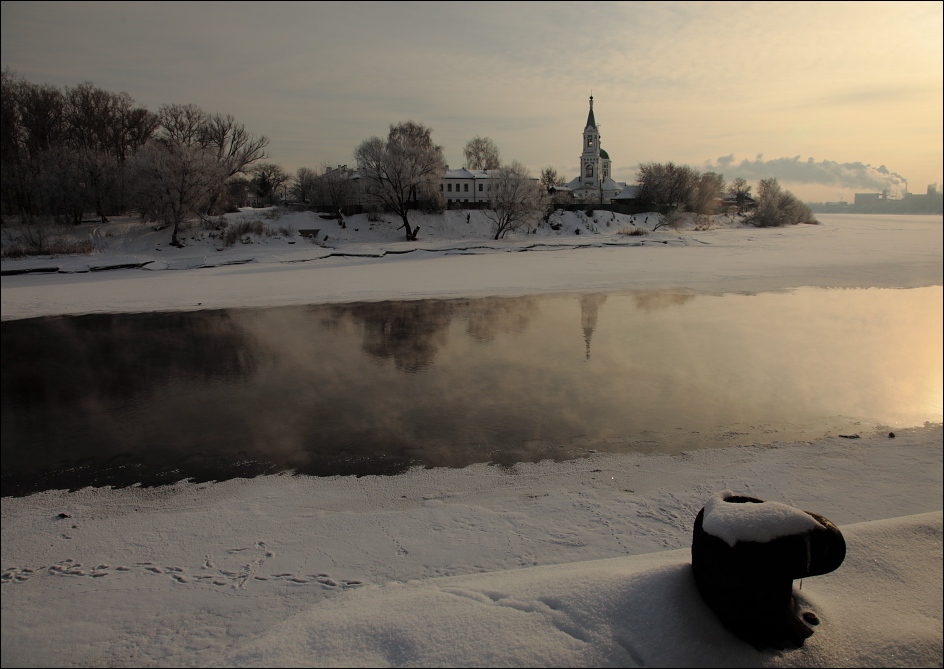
(67,152)
(401,171)
(706,198)
(481,153)
(104,130)
(67,146)
(740,190)
(551,178)
(234,148)
(666,186)
(777,207)
(174,181)
(218,136)
(32,126)
(518,200)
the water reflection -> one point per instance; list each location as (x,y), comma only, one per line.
(589,308)
(380,387)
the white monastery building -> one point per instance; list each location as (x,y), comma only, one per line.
(466,185)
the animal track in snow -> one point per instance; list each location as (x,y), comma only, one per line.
(234,569)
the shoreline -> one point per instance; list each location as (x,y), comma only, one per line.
(838,254)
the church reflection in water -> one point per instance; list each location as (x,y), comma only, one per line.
(376,388)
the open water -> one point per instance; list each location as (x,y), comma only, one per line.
(376,388)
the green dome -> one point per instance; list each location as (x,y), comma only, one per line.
(604,154)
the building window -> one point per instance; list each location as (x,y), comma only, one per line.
(466,189)
(589,172)
(480,188)
(449,188)
(589,141)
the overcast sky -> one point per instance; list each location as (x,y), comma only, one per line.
(831,98)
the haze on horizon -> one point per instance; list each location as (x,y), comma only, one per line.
(832,98)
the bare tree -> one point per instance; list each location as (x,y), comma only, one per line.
(666,186)
(267,179)
(740,190)
(92,116)
(518,200)
(304,185)
(550,178)
(138,125)
(221,137)
(78,143)
(173,181)
(32,125)
(403,169)
(233,146)
(74,141)
(182,123)
(134,128)
(670,219)
(481,153)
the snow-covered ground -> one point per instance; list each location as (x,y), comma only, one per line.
(452,258)
(580,563)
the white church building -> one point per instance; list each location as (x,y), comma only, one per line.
(474,188)
(594,183)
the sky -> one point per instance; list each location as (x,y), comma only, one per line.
(831,98)
(584,562)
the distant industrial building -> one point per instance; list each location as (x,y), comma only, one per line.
(931,202)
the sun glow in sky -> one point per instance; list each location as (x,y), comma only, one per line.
(832,98)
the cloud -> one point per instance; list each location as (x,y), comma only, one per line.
(809,171)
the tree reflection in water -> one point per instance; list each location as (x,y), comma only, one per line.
(157,398)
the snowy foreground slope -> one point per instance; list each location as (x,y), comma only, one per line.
(638,611)
(579,563)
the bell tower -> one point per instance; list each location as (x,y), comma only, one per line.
(591,167)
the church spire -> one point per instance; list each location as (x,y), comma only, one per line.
(589,306)
(591,122)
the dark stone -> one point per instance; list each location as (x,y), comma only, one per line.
(749,586)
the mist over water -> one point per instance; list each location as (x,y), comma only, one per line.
(375,388)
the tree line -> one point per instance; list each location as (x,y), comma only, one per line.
(68,152)
(671,188)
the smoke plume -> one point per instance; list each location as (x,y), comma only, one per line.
(809,171)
